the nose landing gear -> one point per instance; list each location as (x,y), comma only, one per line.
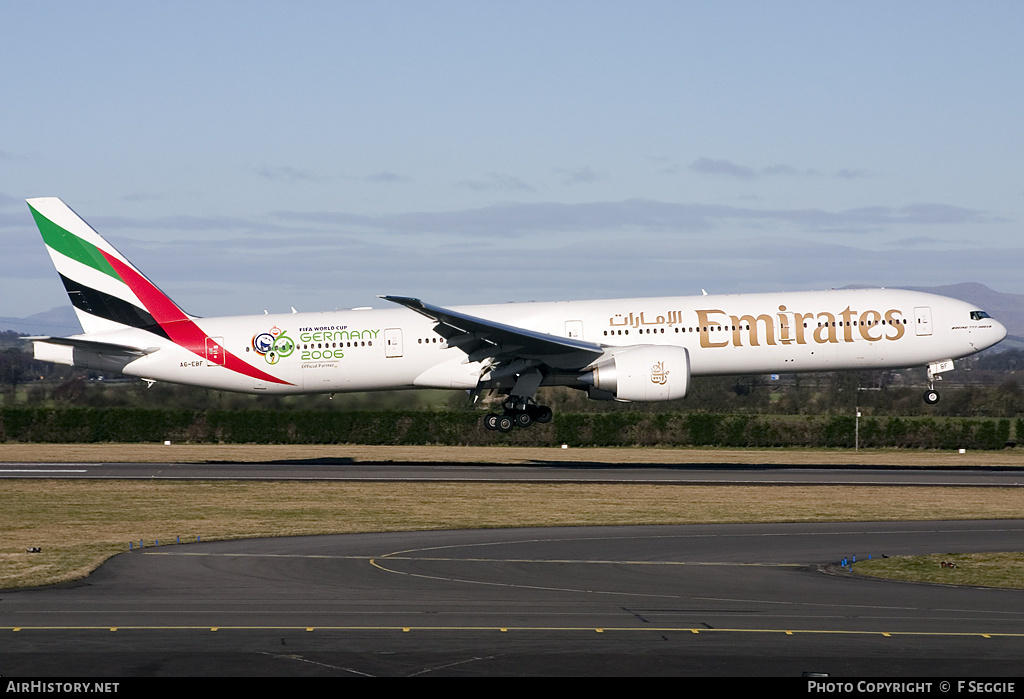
(931,396)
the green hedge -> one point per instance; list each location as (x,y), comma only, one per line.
(624,428)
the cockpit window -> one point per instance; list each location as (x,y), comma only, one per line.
(978,315)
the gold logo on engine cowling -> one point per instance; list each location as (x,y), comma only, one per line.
(658,374)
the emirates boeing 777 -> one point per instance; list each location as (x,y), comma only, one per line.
(639,349)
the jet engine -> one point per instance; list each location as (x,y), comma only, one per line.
(641,373)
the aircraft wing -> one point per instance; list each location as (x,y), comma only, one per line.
(484,339)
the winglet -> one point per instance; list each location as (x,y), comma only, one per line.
(410,303)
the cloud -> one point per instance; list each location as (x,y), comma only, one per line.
(847,174)
(387,177)
(351,272)
(943,213)
(175,223)
(141,196)
(493,181)
(707,166)
(525,218)
(322,260)
(916,241)
(780,170)
(664,164)
(641,214)
(580,175)
(288,175)
(18,221)
(540,219)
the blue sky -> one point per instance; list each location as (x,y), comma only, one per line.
(261,156)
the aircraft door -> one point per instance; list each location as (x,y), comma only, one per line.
(923,320)
(785,330)
(215,351)
(393,342)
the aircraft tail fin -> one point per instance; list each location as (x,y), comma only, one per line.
(107,291)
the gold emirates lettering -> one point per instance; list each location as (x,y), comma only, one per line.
(798,328)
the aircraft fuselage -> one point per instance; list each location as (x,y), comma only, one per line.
(624,349)
(381,349)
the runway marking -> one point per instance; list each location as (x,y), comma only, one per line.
(440,559)
(542,629)
(374,563)
(458,662)
(860,532)
(300,659)
(791,475)
(405,552)
(397,556)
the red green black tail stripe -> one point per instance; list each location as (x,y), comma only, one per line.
(120,296)
(181,330)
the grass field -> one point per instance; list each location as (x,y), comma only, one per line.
(976,569)
(78,524)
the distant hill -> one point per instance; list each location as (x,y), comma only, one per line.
(1008,309)
(57,321)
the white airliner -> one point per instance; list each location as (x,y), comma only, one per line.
(642,349)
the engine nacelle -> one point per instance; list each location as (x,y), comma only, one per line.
(643,373)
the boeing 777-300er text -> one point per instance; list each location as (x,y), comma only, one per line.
(617,349)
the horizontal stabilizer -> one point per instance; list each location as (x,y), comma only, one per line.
(94,346)
(87,354)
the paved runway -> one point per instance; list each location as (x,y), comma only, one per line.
(668,600)
(547,472)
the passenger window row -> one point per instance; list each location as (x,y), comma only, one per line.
(713,328)
(330,345)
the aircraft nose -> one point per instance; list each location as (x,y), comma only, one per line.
(991,333)
(998,331)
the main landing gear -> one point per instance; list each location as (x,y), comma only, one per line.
(519,412)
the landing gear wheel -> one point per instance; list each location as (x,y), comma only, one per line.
(931,397)
(523,419)
(505,423)
(543,414)
(491,421)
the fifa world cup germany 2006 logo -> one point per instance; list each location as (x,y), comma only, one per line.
(273,346)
